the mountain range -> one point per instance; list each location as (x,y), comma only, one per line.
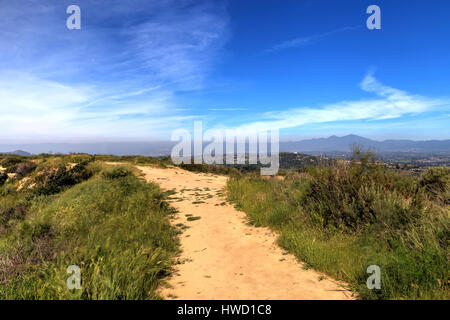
(331,144)
(345,144)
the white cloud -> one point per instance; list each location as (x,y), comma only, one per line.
(391,103)
(180,45)
(29,105)
(116,77)
(228,109)
(33,108)
(303,41)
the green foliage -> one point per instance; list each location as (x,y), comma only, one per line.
(12,209)
(117,172)
(11,161)
(24,169)
(3,178)
(213,168)
(342,218)
(136,160)
(116,230)
(360,194)
(436,182)
(52,181)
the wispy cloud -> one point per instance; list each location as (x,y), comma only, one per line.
(303,41)
(228,109)
(391,103)
(117,76)
(33,108)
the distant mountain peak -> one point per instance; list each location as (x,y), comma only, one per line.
(353,136)
(20,153)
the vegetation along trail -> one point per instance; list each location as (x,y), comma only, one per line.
(223,257)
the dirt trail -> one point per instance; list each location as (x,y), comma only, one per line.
(225,258)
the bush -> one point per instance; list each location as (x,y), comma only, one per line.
(3,178)
(18,211)
(213,168)
(360,194)
(436,182)
(118,172)
(11,161)
(81,172)
(53,181)
(24,169)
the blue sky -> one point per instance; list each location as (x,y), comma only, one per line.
(139,69)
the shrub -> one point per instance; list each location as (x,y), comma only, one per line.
(81,171)
(18,211)
(361,193)
(11,161)
(118,172)
(436,182)
(213,168)
(24,169)
(3,178)
(53,181)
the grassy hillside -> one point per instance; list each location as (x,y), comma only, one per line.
(57,211)
(103,219)
(343,218)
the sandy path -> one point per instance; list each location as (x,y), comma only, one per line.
(225,258)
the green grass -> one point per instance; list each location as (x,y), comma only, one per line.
(136,160)
(343,218)
(114,226)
